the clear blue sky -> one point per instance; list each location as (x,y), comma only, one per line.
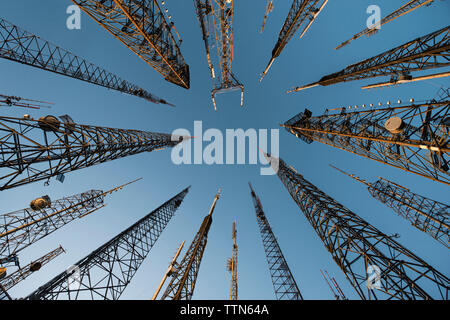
(266,106)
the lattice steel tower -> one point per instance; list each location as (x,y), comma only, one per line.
(47,147)
(360,249)
(106,272)
(142,28)
(232,266)
(216,23)
(22,228)
(182,284)
(405,9)
(26,48)
(413,137)
(15,101)
(282,279)
(428,52)
(302,12)
(337,292)
(21,274)
(269,9)
(425,214)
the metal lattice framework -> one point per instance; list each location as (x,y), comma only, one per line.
(419,144)
(22,228)
(427,215)
(282,279)
(358,248)
(269,9)
(12,260)
(203,10)
(216,22)
(405,9)
(141,26)
(232,266)
(33,150)
(182,284)
(337,292)
(427,52)
(106,272)
(301,12)
(21,46)
(4,294)
(21,274)
(22,102)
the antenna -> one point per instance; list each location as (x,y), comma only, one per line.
(15,101)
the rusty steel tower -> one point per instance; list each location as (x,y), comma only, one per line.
(182,284)
(142,28)
(22,228)
(282,279)
(106,272)
(216,23)
(269,9)
(426,215)
(413,137)
(9,281)
(302,13)
(33,150)
(24,47)
(403,10)
(232,266)
(427,52)
(360,249)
